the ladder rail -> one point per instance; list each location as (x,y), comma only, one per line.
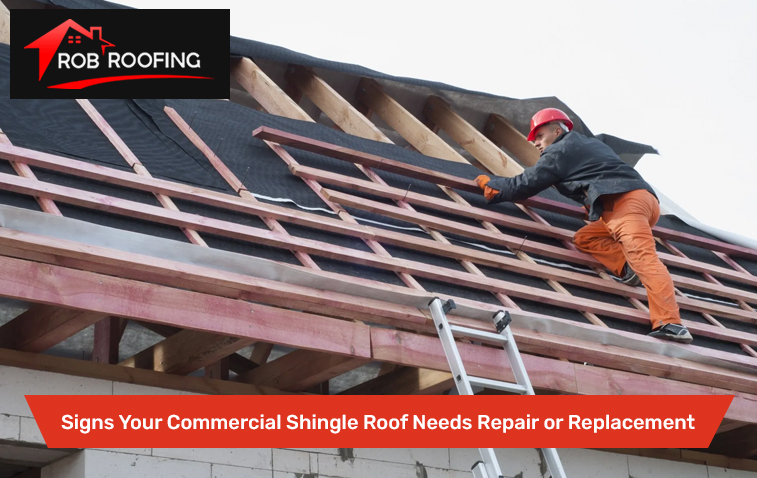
(488,467)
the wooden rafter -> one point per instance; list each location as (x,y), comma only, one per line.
(186,351)
(134,162)
(108,333)
(43,326)
(106,295)
(101,371)
(224,320)
(502,133)
(478,145)
(435,177)
(23,170)
(264,90)
(300,370)
(238,231)
(341,112)
(371,93)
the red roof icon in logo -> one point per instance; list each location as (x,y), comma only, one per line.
(49,42)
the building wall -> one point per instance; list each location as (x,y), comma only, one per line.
(21,441)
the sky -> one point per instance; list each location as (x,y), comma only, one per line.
(678,75)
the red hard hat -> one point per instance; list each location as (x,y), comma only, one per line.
(548,115)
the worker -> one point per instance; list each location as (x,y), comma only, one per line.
(621,206)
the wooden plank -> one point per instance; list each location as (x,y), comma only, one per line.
(339,110)
(188,283)
(260,353)
(405,381)
(131,299)
(478,145)
(242,232)
(43,326)
(239,187)
(185,352)
(116,373)
(424,351)
(449,207)
(108,333)
(351,155)
(131,158)
(502,239)
(264,90)
(219,370)
(424,140)
(300,370)
(24,171)
(236,362)
(121,178)
(502,133)
(202,279)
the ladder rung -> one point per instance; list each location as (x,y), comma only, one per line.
(497,385)
(477,334)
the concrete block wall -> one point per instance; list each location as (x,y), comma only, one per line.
(21,441)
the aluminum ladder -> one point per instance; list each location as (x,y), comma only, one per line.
(488,466)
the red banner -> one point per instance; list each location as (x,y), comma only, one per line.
(549,421)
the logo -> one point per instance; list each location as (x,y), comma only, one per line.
(147,54)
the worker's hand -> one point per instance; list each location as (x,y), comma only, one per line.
(482,182)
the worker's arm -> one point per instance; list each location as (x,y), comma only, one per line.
(545,173)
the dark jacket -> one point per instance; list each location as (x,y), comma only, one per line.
(581,168)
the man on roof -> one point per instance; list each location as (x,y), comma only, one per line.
(622,208)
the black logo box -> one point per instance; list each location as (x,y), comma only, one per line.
(204,32)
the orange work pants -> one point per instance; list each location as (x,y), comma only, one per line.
(624,234)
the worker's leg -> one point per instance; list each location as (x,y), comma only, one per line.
(630,222)
(595,239)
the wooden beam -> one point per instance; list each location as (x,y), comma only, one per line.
(252,234)
(410,349)
(189,279)
(385,164)
(264,90)
(236,362)
(547,347)
(5,24)
(485,236)
(113,176)
(185,352)
(738,443)
(371,93)
(116,373)
(449,207)
(240,188)
(301,369)
(220,369)
(202,279)
(23,170)
(260,353)
(135,164)
(339,110)
(479,146)
(502,133)
(43,326)
(118,297)
(405,381)
(108,333)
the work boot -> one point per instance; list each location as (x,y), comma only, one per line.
(629,277)
(673,332)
